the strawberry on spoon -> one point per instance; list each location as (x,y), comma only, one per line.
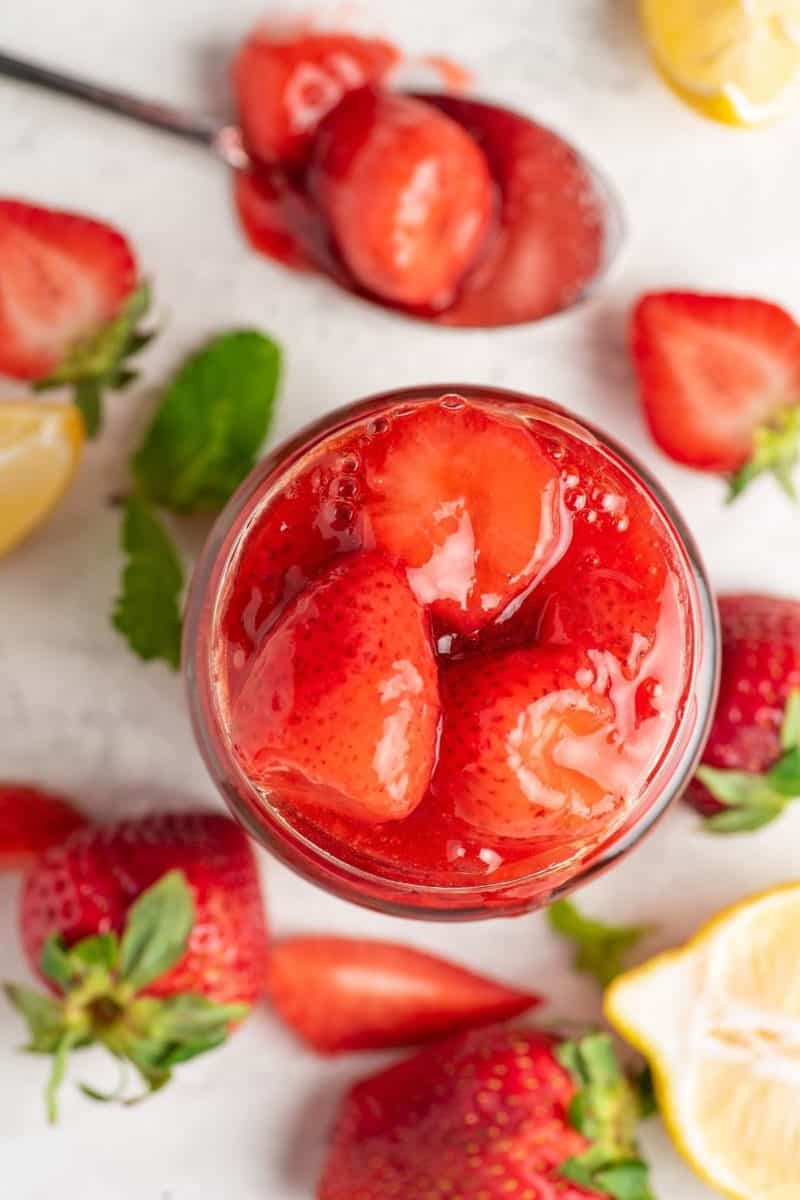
(751,764)
(341,994)
(719,379)
(489,1115)
(70,303)
(151,934)
(32,820)
(341,704)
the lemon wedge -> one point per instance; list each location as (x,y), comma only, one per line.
(737,61)
(40,446)
(719,1022)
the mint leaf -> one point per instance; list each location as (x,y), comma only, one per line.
(600,948)
(212,421)
(100,361)
(147,610)
(156,930)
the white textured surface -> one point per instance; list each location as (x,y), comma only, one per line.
(708,208)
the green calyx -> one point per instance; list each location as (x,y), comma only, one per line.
(776,449)
(600,949)
(100,980)
(752,801)
(101,361)
(605,1110)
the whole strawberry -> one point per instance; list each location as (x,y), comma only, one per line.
(151,933)
(751,764)
(489,1115)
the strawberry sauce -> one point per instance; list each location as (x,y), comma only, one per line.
(504,588)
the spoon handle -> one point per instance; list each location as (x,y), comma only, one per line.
(204,130)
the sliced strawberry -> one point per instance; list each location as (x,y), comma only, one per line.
(530,747)
(31,821)
(345,994)
(751,763)
(719,379)
(551,231)
(407,194)
(469,504)
(341,705)
(285,85)
(493,1114)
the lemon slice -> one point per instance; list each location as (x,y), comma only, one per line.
(719,1022)
(40,446)
(737,61)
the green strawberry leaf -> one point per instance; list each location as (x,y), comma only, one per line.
(790,729)
(55,962)
(147,610)
(740,820)
(157,930)
(43,1015)
(604,1110)
(99,950)
(784,777)
(600,948)
(776,448)
(66,1043)
(99,362)
(212,421)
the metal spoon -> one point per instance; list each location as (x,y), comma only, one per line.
(226,142)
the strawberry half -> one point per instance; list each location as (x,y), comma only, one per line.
(285,85)
(151,934)
(342,994)
(489,1115)
(32,820)
(469,504)
(751,763)
(340,707)
(406,193)
(719,380)
(69,303)
(530,747)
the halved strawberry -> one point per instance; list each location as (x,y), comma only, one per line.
(530,746)
(31,821)
(285,84)
(719,379)
(341,705)
(341,994)
(469,503)
(407,194)
(69,302)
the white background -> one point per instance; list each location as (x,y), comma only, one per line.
(708,207)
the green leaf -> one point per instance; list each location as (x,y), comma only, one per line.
(644,1087)
(790,729)
(740,820)
(98,362)
(157,930)
(100,950)
(55,962)
(624,1181)
(57,1072)
(784,777)
(212,421)
(186,1017)
(776,447)
(147,610)
(600,948)
(43,1015)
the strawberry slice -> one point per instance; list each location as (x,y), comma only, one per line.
(342,994)
(530,747)
(340,707)
(31,821)
(69,303)
(470,504)
(719,380)
(407,194)
(285,85)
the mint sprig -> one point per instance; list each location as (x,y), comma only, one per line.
(605,1110)
(101,999)
(101,362)
(600,949)
(203,440)
(751,800)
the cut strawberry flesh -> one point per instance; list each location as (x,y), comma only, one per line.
(340,707)
(62,277)
(286,84)
(407,195)
(711,370)
(469,505)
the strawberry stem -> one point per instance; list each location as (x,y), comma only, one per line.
(776,449)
